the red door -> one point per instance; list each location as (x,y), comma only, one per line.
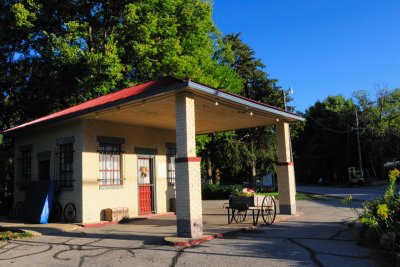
(145,182)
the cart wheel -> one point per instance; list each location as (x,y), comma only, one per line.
(239,215)
(268,210)
(56,212)
(69,213)
(19,210)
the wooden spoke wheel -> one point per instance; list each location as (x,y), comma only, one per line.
(70,213)
(239,215)
(56,212)
(268,210)
(19,210)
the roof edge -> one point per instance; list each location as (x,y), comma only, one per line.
(245,101)
(32,124)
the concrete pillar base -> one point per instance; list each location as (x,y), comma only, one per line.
(190,228)
(287,209)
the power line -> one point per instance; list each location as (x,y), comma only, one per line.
(326,127)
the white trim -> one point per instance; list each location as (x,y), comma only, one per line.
(238,100)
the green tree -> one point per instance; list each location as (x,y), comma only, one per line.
(326,146)
(240,154)
(380,121)
(59,53)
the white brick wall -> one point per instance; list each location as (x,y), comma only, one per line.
(87,196)
(44,139)
(96,199)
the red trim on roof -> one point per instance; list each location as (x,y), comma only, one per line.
(102,100)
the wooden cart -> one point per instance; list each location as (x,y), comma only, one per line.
(240,205)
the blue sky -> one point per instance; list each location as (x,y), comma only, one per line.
(319,47)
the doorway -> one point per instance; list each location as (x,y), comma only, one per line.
(146,184)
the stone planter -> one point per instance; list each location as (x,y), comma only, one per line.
(243,201)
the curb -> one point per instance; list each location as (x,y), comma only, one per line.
(125,220)
(331,196)
(98,224)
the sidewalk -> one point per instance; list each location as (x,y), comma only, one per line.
(321,237)
(215,224)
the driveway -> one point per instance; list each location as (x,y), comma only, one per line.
(319,238)
(358,193)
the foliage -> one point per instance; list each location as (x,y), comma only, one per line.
(55,54)
(347,200)
(326,144)
(237,153)
(383,216)
(11,235)
(219,191)
(380,121)
(245,192)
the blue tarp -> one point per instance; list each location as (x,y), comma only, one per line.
(39,196)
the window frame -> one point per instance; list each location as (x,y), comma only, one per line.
(66,165)
(171,165)
(25,169)
(105,154)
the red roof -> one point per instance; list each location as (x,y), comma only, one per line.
(103,100)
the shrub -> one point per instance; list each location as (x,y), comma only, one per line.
(219,191)
(383,216)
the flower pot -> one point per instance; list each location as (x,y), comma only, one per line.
(245,201)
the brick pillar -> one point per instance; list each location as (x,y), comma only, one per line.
(285,170)
(188,183)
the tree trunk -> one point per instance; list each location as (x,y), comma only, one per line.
(253,175)
(209,170)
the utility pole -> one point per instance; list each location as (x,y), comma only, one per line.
(360,167)
(289,92)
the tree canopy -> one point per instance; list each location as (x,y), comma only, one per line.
(327,144)
(55,54)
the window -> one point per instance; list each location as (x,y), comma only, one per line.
(25,169)
(171,155)
(110,164)
(66,171)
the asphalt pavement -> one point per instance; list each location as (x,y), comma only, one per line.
(320,237)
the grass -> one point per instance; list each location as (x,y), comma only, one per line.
(10,235)
(299,196)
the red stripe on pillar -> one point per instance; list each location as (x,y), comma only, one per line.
(188,159)
(289,163)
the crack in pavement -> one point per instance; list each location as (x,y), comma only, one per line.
(86,247)
(176,257)
(339,233)
(312,254)
(50,247)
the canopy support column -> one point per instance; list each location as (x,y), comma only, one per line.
(285,170)
(188,181)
